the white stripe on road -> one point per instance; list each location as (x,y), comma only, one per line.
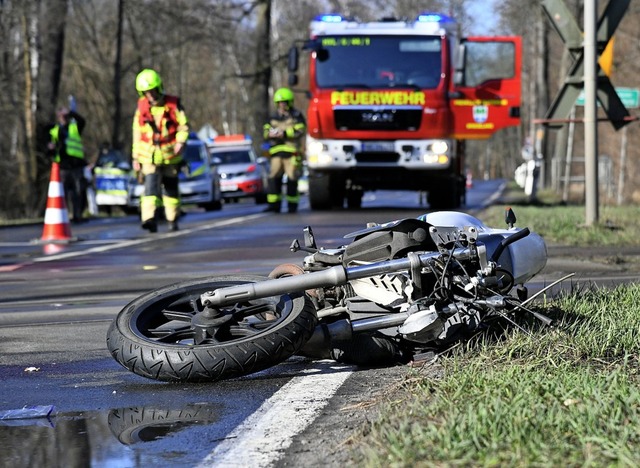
(265,435)
(145,240)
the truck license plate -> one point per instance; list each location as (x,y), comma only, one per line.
(378,146)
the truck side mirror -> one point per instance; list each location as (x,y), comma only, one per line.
(458,73)
(293,79)
(292,63)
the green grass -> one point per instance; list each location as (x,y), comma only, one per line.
(562,396)
(565,224)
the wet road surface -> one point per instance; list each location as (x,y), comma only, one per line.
(56,306)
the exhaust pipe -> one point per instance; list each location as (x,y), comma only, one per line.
(326,335)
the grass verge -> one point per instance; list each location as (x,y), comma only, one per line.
(564,224)
(561,396)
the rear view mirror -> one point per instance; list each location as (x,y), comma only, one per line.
(458,75)
(292,62)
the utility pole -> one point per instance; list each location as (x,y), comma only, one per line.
(590,113)
(585,74)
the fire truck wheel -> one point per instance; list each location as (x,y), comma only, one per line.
(326,191)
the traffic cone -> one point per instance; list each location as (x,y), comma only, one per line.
(51,248)
(469,180)
(56,216)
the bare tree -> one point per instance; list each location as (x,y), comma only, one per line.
(117,79)
(224,57)
(262,81)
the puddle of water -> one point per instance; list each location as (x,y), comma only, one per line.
(112,438)
(134,425)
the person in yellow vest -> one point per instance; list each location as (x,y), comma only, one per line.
(284,133)
(67,150)
(160,131)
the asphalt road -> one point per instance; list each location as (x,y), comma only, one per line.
(56,306)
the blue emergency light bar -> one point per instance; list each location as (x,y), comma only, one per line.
(424,17)
(430,17)
(329,18)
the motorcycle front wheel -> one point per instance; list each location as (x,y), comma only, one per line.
(160,334)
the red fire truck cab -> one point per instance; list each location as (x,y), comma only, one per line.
(391,103)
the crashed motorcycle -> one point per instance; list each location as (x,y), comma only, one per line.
(393,291)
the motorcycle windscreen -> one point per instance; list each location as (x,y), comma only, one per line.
(487,89)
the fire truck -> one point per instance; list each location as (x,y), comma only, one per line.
(393,101)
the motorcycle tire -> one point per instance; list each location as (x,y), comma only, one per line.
(153,336)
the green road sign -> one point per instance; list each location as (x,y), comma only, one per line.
(630,97)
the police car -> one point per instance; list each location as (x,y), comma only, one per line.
(112,176)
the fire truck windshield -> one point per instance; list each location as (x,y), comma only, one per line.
(379,62)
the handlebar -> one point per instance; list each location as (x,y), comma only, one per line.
(521,234)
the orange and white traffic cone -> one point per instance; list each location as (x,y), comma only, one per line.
(56,216)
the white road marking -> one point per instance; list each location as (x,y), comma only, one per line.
(496,195)
(115,244)
(264,436)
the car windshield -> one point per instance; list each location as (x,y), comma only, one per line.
(111,158)
(379,62)
(234,156)
(193,154)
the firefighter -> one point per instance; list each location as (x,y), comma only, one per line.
(67,150)
(284,133)
(160,131)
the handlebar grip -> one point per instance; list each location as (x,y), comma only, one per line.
(521,234)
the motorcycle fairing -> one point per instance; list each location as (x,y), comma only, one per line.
(388,241)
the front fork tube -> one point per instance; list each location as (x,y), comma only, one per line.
(334,276)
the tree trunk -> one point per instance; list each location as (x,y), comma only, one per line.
(25,156)
(262,79)
(117,78)
(52,30)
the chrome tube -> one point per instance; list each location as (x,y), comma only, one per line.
(333,276)
(378,323)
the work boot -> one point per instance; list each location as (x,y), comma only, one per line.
(293,207)
(150,225)
(273,207)
(173,226)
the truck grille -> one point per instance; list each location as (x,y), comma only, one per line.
(378,119)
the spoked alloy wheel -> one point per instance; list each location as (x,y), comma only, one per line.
(167,335)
